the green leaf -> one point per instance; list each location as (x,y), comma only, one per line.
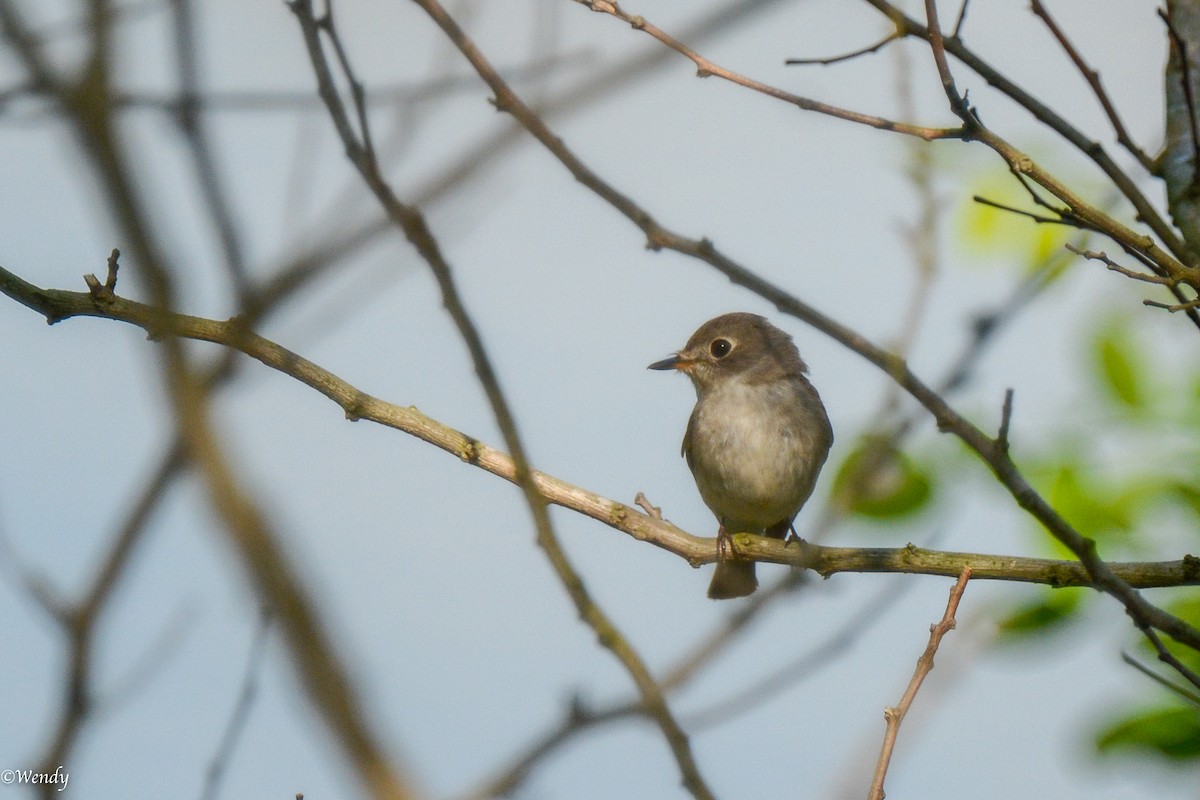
(992,233)
(1094,508)
(877,480)
(1119,365)
(1050,612)
(1172,732)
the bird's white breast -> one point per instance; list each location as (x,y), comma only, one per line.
(763,462)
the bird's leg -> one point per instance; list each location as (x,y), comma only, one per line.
(724,543)
(785,530)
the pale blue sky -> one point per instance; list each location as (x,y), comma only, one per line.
(459,637)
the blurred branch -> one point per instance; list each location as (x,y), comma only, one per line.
(87,111)
(579,717)
(796,670)
(80,620)
(241,709)
(853,54)
(194,126)
(360,150)
(895,716)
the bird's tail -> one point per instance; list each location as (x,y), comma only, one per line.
(732,579)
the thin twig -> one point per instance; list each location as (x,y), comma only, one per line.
(241,709)
(1183,691)
(1022,212)
(962,18)
(1092,76)
(1147,212)
(1188,305)
(1169,658)
(706,68)
(895,715)
(891,37)
(1102,257)
(958,103)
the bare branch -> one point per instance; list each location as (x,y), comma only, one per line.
(1189,305)
(1092,76)
(874,48)
(895,716)
(706,68)
(1184,692)
(1038,218)
(1094,255)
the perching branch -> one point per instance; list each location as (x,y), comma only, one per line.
(57,305)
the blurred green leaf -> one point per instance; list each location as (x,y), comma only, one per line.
(1048,613)
(877,480)
(1119,365)
(1093,508)
(1173,732)
(989,232)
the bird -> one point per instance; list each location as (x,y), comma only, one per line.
(757,437)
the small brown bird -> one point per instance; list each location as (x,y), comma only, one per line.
(758,436)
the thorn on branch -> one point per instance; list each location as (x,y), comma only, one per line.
(106,291)
(651,511)
(962,19)
(1005,420)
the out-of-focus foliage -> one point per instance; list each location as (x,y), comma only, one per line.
(989,233)
(1173,732)
(879,481)
(1053,609)
(1124,468)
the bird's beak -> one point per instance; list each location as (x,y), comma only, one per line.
(674,362)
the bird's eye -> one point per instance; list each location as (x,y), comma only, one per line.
(720,348)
